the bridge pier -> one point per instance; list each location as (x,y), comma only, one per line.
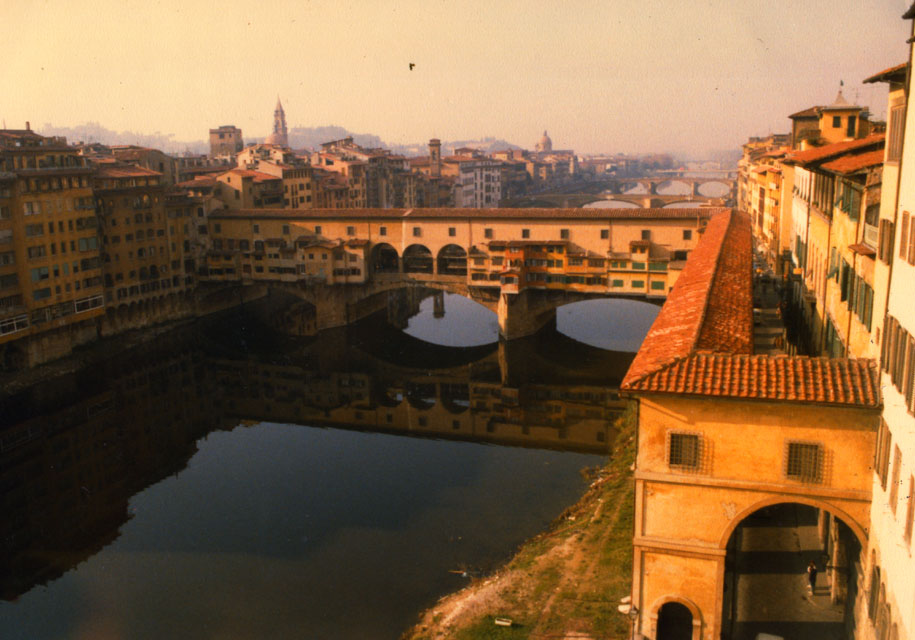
(438,304)
(524,314)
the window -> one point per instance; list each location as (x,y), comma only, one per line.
(604,234)
(896,129)
(638,284)
(803,461)
(903,235)
(350,231)
(32,230)
(382,231)
(837,122)
(257,228)
(683,450)
(894,484)
(850,128)
(487,233)
(317,230)
(525,233)
(452,231)
(882,453)
(564,234)
(40,273)
(657,285)
(417,232)
(41,294)
(885,244)
(285,229)
(36,252)
(646,234)
(617,283)
(910,511)
(687,234)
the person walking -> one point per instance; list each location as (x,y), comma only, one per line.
(812,575)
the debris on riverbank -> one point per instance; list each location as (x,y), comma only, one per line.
(563,583)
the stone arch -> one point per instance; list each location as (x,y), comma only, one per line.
(687,199)
(654,613)
(384,259)
(417,259)
(452,260)
(729,186)
(769,501)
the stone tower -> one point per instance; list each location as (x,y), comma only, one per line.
(280,135)
(435,157)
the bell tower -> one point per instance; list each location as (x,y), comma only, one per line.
(280,135)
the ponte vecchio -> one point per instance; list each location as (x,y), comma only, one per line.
(520,263)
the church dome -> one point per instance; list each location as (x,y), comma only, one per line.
(545,143)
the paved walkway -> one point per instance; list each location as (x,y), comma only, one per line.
(768,329)
(773,596)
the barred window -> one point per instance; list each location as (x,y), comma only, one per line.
(684,450)
(804,461)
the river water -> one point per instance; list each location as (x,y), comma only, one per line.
(226,481)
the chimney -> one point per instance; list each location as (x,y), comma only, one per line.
(28,127)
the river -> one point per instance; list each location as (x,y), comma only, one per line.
(226,481)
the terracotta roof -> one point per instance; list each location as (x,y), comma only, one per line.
(852,163)
(817,154)
(784,378)
(812,112)
(862,249)
(128,171)
(702,341)
(893,74)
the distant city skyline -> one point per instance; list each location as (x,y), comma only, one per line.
(627,76)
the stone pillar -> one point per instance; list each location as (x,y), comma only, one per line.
(837,571)
(523,314)
(438,304)
(695,189)
(823,527)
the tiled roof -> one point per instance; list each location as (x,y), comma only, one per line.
(702,341)
(812,112)
(785,378)
(893,74)
(127,171)
(817,154)
(852,163)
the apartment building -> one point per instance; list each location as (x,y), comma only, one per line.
(50,268)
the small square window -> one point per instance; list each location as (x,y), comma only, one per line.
(417,232)
(487,233)
(452,231)
(684,450)
(604,234)
(382,231)
(525,233)
(646,234)
(285,229)
(351,231)
(257,228)
(687,234)
(804,461)
(317,230)
(564,234)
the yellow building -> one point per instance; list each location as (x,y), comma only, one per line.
(724,434)
(50,270)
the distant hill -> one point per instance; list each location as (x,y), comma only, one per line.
(95,132)
(299,138)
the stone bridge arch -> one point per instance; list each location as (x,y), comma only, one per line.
(417,258)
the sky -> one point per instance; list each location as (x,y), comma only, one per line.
(609,76)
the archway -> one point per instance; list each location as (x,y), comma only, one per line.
(384,259)
(721,190)
(675,622)
(452,261)
(417,259)
(766,583)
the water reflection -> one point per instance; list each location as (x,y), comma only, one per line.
(453,320)
(615,324)
(241,507)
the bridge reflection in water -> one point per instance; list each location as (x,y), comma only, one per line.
(74,450)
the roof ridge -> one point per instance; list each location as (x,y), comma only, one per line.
(708,291)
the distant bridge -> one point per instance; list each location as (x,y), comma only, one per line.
(577,200)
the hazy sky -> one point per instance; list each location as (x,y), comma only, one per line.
(613,75)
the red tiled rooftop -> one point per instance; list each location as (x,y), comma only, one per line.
(702,341)
(895,73)
(817,154)
(127,171)
(762,377)
(852,163)
(812,112)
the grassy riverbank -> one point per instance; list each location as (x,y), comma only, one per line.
(564,583)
